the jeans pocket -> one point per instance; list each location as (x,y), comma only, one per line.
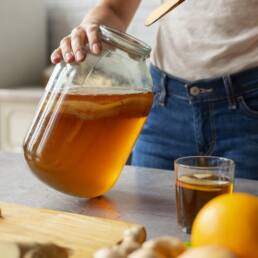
(249,104)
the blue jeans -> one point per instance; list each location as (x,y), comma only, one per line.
(216,117)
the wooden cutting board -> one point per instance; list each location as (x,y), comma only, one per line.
(83,234)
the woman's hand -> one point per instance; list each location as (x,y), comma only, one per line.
(72,48)
(113,13)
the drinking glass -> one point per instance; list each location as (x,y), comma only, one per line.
(198,180)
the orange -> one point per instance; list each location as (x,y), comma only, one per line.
(229,220)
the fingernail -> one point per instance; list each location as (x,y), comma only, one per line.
(56,59)
(79,56)
(96,48)
(68,57)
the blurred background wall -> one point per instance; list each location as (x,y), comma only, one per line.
(23,42)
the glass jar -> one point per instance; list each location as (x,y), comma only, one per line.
(90,117)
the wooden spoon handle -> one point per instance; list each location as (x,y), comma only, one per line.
(162,10)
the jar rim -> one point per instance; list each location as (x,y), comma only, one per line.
(125,41)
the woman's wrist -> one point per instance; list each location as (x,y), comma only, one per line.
(105,15)
(72,48)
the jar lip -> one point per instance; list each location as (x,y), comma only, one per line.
(125,41)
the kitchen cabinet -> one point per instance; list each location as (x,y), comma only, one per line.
(17,107)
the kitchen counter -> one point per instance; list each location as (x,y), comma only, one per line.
(143,196)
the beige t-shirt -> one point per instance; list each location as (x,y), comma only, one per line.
(208,38)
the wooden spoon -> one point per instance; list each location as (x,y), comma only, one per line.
(162,10)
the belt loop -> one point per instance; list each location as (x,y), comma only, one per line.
(163,93)
(230,92)
(187,87)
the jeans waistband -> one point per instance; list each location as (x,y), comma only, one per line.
(226,87)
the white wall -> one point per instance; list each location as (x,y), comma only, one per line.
(22,42)
(63,15)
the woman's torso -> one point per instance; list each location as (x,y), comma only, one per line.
(204,39)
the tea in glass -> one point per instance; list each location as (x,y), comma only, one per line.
(196,184)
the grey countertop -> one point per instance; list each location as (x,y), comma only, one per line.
(143,196)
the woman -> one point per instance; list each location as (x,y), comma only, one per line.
(205,74)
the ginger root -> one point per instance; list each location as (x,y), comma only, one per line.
(128,246)
(132,240)
(47,251)
(136,233)
(166,246)
(19,250)
(146,253)
(109,253)
(133,246)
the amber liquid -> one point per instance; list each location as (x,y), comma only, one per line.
(79,143)
(193,191)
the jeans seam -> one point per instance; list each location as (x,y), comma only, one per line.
(195,130)
(245,109)
(213,130)
(247,92)
(146,151)
(250,83)
(179,97)
(156,99)
(213,99)
(205,100)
